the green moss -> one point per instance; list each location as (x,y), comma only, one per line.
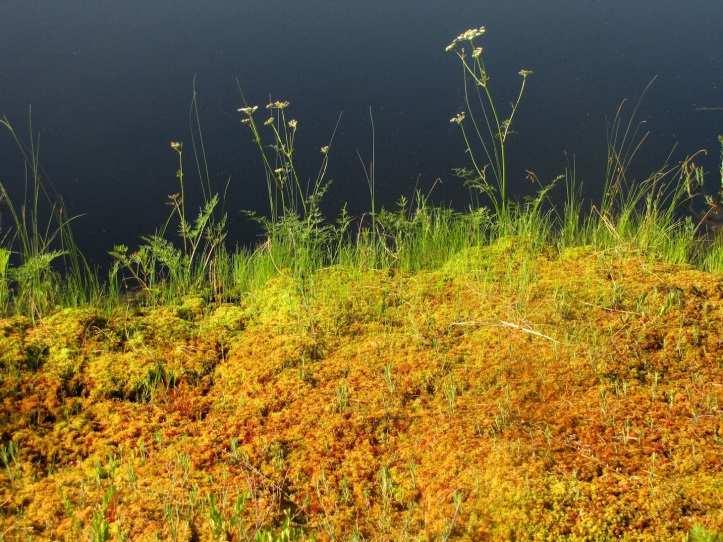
(494,259)
(12,331)
(67,327)
(191,307)
(278,303)
(223,320)
(64,362)
(118,374)
(160,326)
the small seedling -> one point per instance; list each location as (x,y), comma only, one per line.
(389,379)
(449,388)
(9,456)
(342,397)
(215,518)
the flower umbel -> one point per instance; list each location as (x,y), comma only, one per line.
(278,105)
(250,110)
(468,35)
(458,118)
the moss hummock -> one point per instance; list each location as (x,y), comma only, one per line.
(504,396)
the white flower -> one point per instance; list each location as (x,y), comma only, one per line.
(269,121)
(458,118)
(325,150)
(477,52)
(250,110)
(468,35)
(472,34)
(293,124)
(278,105)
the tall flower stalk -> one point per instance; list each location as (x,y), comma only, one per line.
(484,129)
(286,193)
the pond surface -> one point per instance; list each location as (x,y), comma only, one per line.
(110,83)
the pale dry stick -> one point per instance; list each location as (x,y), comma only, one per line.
(325,520)
(457,506)
(473,323)
(609,309)
(528,330)
(511,325)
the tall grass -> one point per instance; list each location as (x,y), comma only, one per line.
(39,242)
(484,128)
(41,267)
(164,268)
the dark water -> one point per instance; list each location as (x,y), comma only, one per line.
(110,82)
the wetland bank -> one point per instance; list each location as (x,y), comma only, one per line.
(525,369)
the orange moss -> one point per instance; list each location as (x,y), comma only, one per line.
(501,397)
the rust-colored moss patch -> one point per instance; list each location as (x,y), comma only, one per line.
(502,397)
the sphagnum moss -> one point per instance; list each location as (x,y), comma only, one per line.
(352,420)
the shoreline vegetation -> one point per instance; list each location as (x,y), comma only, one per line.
(521,370)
